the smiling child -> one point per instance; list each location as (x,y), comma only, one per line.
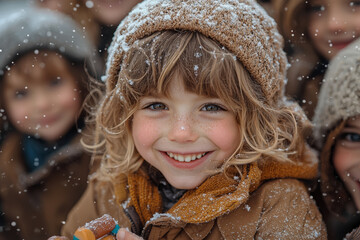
(314,31)
(43,84)
(195,136)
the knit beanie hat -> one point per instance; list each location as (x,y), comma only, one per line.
(242,26)
(339,96)
(34,29)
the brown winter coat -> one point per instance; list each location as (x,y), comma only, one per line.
(248,208)
(38,202)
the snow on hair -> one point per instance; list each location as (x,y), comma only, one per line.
(268,131)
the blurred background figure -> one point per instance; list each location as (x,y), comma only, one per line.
(314,31)
(43,82)
(98,17)
(108,14)
(337,134)
(6,7)
(77,11)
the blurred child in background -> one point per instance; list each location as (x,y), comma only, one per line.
(77,11)
(195,136)
(337,132)
(43,83)
(98,17)
(315,31)
(108,14)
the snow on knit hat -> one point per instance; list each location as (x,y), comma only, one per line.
(339,96)
(31,29)
(242,26)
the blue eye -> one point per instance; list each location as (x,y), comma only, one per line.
(354,3)
(55,82)
(156,106)
(211,107)
(21,94)
(316,8)
(350,140)
(350,136)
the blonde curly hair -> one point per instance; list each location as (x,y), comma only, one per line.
(267,130)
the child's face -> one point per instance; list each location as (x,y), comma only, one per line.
(41,97)
(110,12)
(346,158)
(184,135)
(333,24)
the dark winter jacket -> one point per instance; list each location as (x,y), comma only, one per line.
(36,203)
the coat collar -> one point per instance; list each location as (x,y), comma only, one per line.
(16,169)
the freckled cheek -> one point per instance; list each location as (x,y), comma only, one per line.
(224,134)
(145,131)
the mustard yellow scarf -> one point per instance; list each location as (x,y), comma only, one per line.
(219,194)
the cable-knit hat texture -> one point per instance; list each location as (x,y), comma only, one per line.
(33,28)
(242,26)
(339,97)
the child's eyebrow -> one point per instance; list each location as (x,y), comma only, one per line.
(154,95)
(353,122)
(15,83)
(352,125)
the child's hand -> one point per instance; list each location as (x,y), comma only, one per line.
(123,234)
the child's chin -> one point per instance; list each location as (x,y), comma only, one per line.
(49,137)
(185,183)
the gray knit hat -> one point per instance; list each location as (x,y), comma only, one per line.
(31,29)
(339,96)
(242,26)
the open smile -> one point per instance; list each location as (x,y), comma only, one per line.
(186,161)
(185,157)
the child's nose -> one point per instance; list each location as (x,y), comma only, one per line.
(183,129)
(41,101)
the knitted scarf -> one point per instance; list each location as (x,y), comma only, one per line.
(217,195)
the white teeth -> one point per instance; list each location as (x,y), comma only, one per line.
(179,158)
(185,158)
